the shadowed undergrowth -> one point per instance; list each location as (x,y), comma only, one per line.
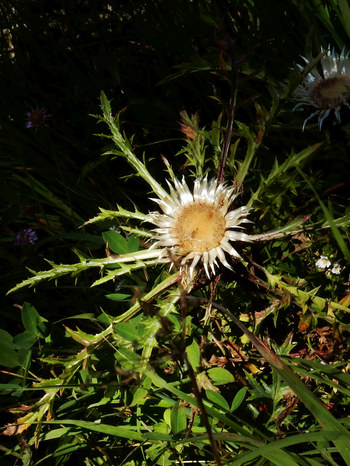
(119,344)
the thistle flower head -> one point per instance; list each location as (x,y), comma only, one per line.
(326,89)
(36,118)
(197,228)
(25,237)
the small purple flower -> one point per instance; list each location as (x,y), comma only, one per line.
(36,118)
(25,237)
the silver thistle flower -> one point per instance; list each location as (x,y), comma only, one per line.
(198,227)
(326,89)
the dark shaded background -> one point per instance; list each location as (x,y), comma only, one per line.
(59,55)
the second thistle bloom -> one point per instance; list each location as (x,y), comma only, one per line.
(326,89)
(197,228)
(35,118)
(25,237)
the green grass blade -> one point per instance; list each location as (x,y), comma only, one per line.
(275,447)
(324,417)
(117,431)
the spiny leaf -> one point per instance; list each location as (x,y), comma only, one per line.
(304,297)
(293,161)
(58,270)
(122,270)
(113,214)
(126,151)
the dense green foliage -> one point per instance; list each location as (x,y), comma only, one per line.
(104,357)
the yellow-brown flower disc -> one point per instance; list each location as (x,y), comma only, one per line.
(197,228)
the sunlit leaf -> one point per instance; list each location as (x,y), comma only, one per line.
(193,354)
(115,241)
(220,376)
(127,331)
(178,418)
(118,296)
(217,399)
(238,399)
